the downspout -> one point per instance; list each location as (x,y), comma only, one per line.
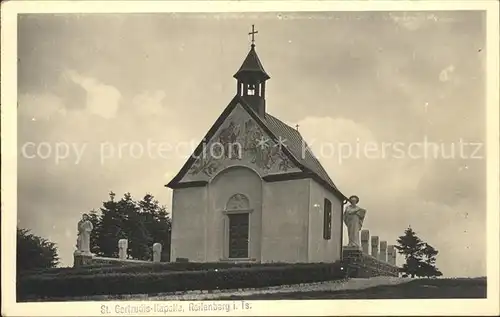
(342,229)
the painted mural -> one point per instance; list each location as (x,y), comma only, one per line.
(240,141)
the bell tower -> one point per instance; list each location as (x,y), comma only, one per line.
(251,80)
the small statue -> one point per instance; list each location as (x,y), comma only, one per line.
(85,227)
(122,249)
(157,252)
(353,219)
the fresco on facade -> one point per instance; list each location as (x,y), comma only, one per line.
(240,141)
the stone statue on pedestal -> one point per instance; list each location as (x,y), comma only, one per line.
(85,227)
(353,219)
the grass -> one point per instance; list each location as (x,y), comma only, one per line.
(417,289)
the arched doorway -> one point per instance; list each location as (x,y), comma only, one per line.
(234,215)
(237,229)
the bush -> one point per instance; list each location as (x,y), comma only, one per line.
(34,252)
(64,270)
(171,281)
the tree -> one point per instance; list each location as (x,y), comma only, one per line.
(410,246)
(427,270)
(420,256)
(158,222)
(429,254)
(142,223)
(34,252)
(427,266)
(108,228)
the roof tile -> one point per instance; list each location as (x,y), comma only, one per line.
(297,146)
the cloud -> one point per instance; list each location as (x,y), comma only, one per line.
(340,143)
(40,106)
(445,74)
(65,189)
(149,103)
(99,99)
(102,100)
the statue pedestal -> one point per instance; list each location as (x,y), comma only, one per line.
(361,265)
(351,248)
(82,259)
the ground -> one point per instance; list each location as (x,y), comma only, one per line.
(420,288)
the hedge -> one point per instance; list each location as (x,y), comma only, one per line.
(172,281)
(63,270)
(152,268)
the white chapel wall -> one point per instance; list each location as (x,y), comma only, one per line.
(321,250)
(189,209)
(285,214)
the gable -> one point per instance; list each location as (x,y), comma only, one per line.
(238,141)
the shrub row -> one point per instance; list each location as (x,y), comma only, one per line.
(154,268)
(63,270)
(163,282)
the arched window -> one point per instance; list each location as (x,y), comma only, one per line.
(327,219)
(238,216)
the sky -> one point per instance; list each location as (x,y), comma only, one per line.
(95,89)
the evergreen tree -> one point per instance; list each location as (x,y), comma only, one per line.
(142,223)
(135,229)
(428,266)
(420,256)
(410,246)
(95,236)
(158,222)
(109,229)
(34,252)
(429,254)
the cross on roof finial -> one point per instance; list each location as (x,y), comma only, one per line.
(297,127)
(253,34)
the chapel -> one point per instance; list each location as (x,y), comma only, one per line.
(253,190)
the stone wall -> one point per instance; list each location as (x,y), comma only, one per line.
(114,261)
(84,260)
(381,261)
(363,265)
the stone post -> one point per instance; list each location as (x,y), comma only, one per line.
(375,246)
(365,241)
(383,251)
(157,252)
(122,249)
(391,252)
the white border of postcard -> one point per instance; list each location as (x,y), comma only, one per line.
(10,9)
